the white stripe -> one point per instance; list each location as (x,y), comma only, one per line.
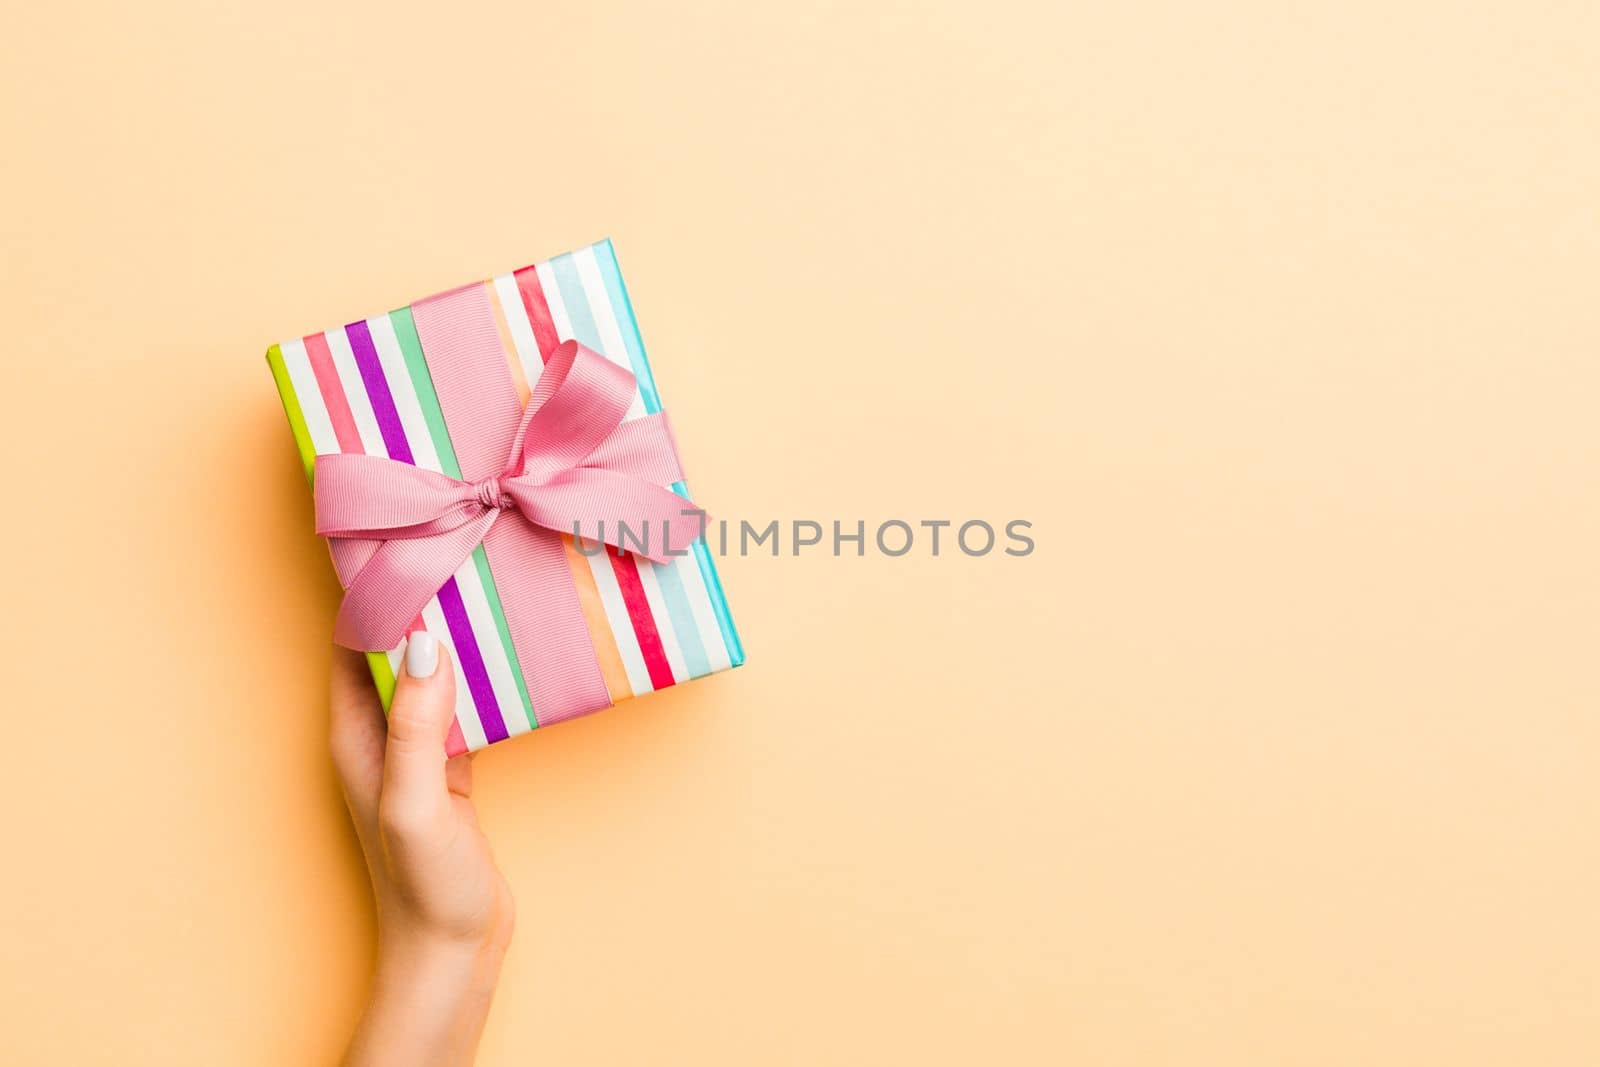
(324,441)
(505,287)
(605,320)
(605,580)
(355,392)
(663,617)
(466,713)
(612,345)
(493,651)
(609,324)
(404,393)
(705,619)
(552,300)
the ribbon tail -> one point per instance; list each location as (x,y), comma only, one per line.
(397,581)
(350,554)
(545,618)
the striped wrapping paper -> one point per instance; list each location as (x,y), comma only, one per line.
(365,387)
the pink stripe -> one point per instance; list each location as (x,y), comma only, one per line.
(348,558)
(333,398)
(468,363)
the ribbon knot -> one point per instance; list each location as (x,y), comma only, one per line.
(491,494)
(398,532)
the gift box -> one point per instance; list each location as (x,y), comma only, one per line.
(464,388)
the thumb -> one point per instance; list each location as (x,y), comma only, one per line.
(414,787)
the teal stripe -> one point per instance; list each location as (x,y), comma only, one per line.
(606,256)
(422,382)
(618,295)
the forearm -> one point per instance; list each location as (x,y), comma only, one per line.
(445,912)
(430,998)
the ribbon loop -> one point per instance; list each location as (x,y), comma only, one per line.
(578,401)
(398,531)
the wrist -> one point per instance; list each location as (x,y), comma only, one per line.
(430,997)
(438,975)
(418,955)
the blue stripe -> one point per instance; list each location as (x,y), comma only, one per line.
(586,332)
(677,598)
(606,256)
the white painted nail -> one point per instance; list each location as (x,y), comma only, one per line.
(422,654)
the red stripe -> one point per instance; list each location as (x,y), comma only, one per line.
(544,327)
(344,423)
(644,624)
(623,565)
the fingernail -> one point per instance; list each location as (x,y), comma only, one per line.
(422,654)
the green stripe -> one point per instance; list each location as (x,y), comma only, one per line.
(378,662)
(405,329)
(291,408)
(382,677)
(499,614)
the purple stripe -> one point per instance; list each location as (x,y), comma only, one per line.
(394,434)
(455,616)
(455,612)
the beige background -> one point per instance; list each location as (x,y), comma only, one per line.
(1278,320)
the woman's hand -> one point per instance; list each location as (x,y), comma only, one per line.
(445,912)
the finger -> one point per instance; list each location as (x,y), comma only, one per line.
(356,731)
(414,787)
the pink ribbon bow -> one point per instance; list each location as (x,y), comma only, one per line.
(398,532)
